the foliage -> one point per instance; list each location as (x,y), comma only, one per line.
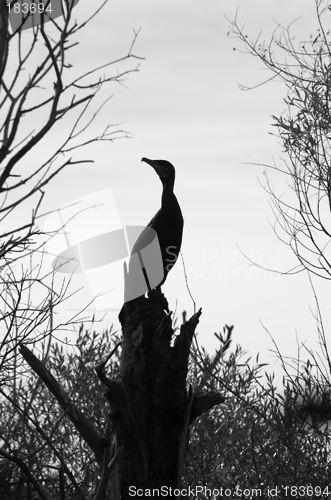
(258,438)
(41,88)
(35,429)
(302,214)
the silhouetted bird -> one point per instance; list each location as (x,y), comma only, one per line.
(168,221)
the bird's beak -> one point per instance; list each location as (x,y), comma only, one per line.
(146,160)
(152,164)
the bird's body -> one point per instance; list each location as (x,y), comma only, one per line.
(168,221)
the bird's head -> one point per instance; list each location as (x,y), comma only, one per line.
(164,169)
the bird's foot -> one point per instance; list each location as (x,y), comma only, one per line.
(157,296)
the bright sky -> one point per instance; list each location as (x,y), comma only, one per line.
(185,106)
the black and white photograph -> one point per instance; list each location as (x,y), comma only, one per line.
(165,249)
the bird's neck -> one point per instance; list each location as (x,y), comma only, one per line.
(169,200)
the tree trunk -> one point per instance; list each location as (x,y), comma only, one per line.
(151,407)
(4,36)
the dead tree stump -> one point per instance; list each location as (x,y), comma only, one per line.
(151,405)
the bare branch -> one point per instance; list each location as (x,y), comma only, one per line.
(85,428)
(302,215)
